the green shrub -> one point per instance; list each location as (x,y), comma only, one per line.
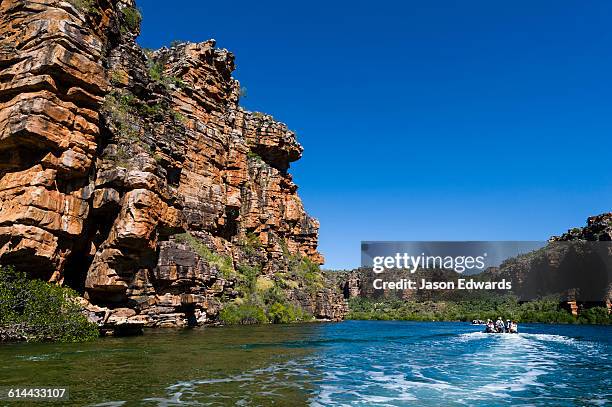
(130,117)
(85,6)
(119,107)
(595,315)
(253,240)
(178,82)
(131,19)
(247,279)
(118,76)
(251,243)
(156,70)
(233,314)
(124,109)
(255,157)
(38,311)
(282,313)
(260,303)
(224,264)
(151,110)
(178,117)
(307,272)
(157,74)
(284,248)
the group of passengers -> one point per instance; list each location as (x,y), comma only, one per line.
(510,327)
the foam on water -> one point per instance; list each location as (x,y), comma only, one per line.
(472,336)
(552,338)
(39,358)
(524,366)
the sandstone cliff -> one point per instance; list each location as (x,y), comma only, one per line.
(135,177)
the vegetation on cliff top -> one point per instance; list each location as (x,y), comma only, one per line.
(545,310)
(34,310)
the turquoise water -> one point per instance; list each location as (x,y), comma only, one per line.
(349,363)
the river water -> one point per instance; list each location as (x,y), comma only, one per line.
(327,364)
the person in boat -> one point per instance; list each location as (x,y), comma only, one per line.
(507,326)
(490,328)
(513,328)
(499,325)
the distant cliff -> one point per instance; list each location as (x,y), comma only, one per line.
(135,177)
(598,228)
(570,267)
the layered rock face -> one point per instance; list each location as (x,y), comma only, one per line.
(135,176)
(52,82)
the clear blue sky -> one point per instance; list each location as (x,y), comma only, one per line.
(425,120)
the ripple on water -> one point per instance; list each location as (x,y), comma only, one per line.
(38,358)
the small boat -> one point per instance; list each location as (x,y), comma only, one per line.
(499,332)
(510,327)
(492,330)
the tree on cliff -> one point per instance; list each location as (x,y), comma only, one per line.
(34,310)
